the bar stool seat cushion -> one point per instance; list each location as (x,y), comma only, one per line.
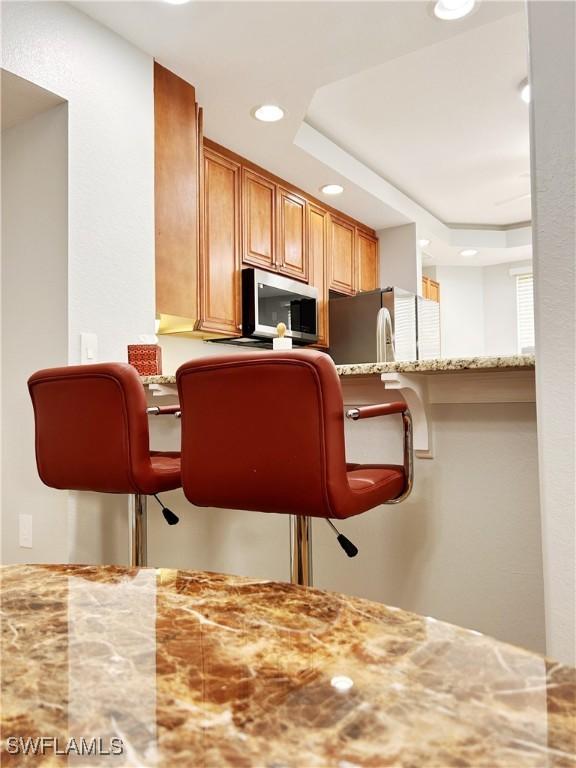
(165,470)
(387,477)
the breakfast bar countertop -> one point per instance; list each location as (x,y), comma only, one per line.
(439,365)
(187,668)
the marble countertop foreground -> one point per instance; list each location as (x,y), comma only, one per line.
(440,365)
(184,668)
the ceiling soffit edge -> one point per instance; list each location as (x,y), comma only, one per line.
(319,146)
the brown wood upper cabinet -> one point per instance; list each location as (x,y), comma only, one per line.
(220,252)
(434,291)
(258,220)
(367,261)
(216,211)
(292,252)
(342,262)
(430,289)
(177,137)
(318,233)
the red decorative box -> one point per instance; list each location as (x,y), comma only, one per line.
(146,358)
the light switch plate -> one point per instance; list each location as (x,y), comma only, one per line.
(25,531)
(88,348)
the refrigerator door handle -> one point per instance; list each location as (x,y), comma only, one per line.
(380,340)
(385,351)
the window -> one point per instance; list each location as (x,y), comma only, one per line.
(525,312)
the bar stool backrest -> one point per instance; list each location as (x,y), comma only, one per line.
(263,431)
(91,427)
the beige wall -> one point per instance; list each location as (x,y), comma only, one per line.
(34,319)
(108,287)
(486,298)
(500,308)
(400,262)
(108,85)
(461,311)
(552,27)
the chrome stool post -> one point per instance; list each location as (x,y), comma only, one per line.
(138,531)
(301,550)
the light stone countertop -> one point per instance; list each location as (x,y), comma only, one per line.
(440,365)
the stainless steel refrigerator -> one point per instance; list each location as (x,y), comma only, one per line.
(372,327)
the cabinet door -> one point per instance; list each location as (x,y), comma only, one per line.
(433,290)
(342,259)
(318,220)
(426,287)
(259,220)
(220,254)
(367,261)
(176,166)
(292,254)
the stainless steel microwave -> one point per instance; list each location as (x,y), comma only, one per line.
(269,299)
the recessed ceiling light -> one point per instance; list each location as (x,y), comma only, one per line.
(424,242)
(332,189)
(468,252)
(525,93)
(177,2)
(450,10)
(268,113)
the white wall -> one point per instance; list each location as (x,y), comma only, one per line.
(500,310)
(109,88)
(108,85)
(400,262)
(461,311)
(552,28)
(478,309)
(34,318)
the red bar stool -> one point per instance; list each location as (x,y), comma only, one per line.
(264,431)
(92,435)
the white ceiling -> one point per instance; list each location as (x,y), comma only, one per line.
(439,253)
(22,99)
(444,123)
(312,57)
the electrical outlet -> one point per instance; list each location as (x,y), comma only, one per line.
(88,348)
(25,531)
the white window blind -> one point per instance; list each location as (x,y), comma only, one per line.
(525,312)
(405,327)
(428,329)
